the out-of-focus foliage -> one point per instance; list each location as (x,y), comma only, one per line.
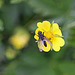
(1,3)
(1,25)
(10,53)
(19,53)
(15,1)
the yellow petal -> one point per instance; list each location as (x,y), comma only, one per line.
(55,26)
(61,41)
(56,30)
(56,47)
(46,49)
(57,43)
(46,25)
(37,30)
(39,24)
(36,37)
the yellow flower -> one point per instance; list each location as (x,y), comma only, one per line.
(20,39)
(52,33)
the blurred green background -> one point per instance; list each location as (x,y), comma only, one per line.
(19,53)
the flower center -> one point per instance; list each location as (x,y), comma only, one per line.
(49,34)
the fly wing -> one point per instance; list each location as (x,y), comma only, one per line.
(48,41)
(40,45)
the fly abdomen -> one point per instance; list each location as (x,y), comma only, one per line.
(45,44)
